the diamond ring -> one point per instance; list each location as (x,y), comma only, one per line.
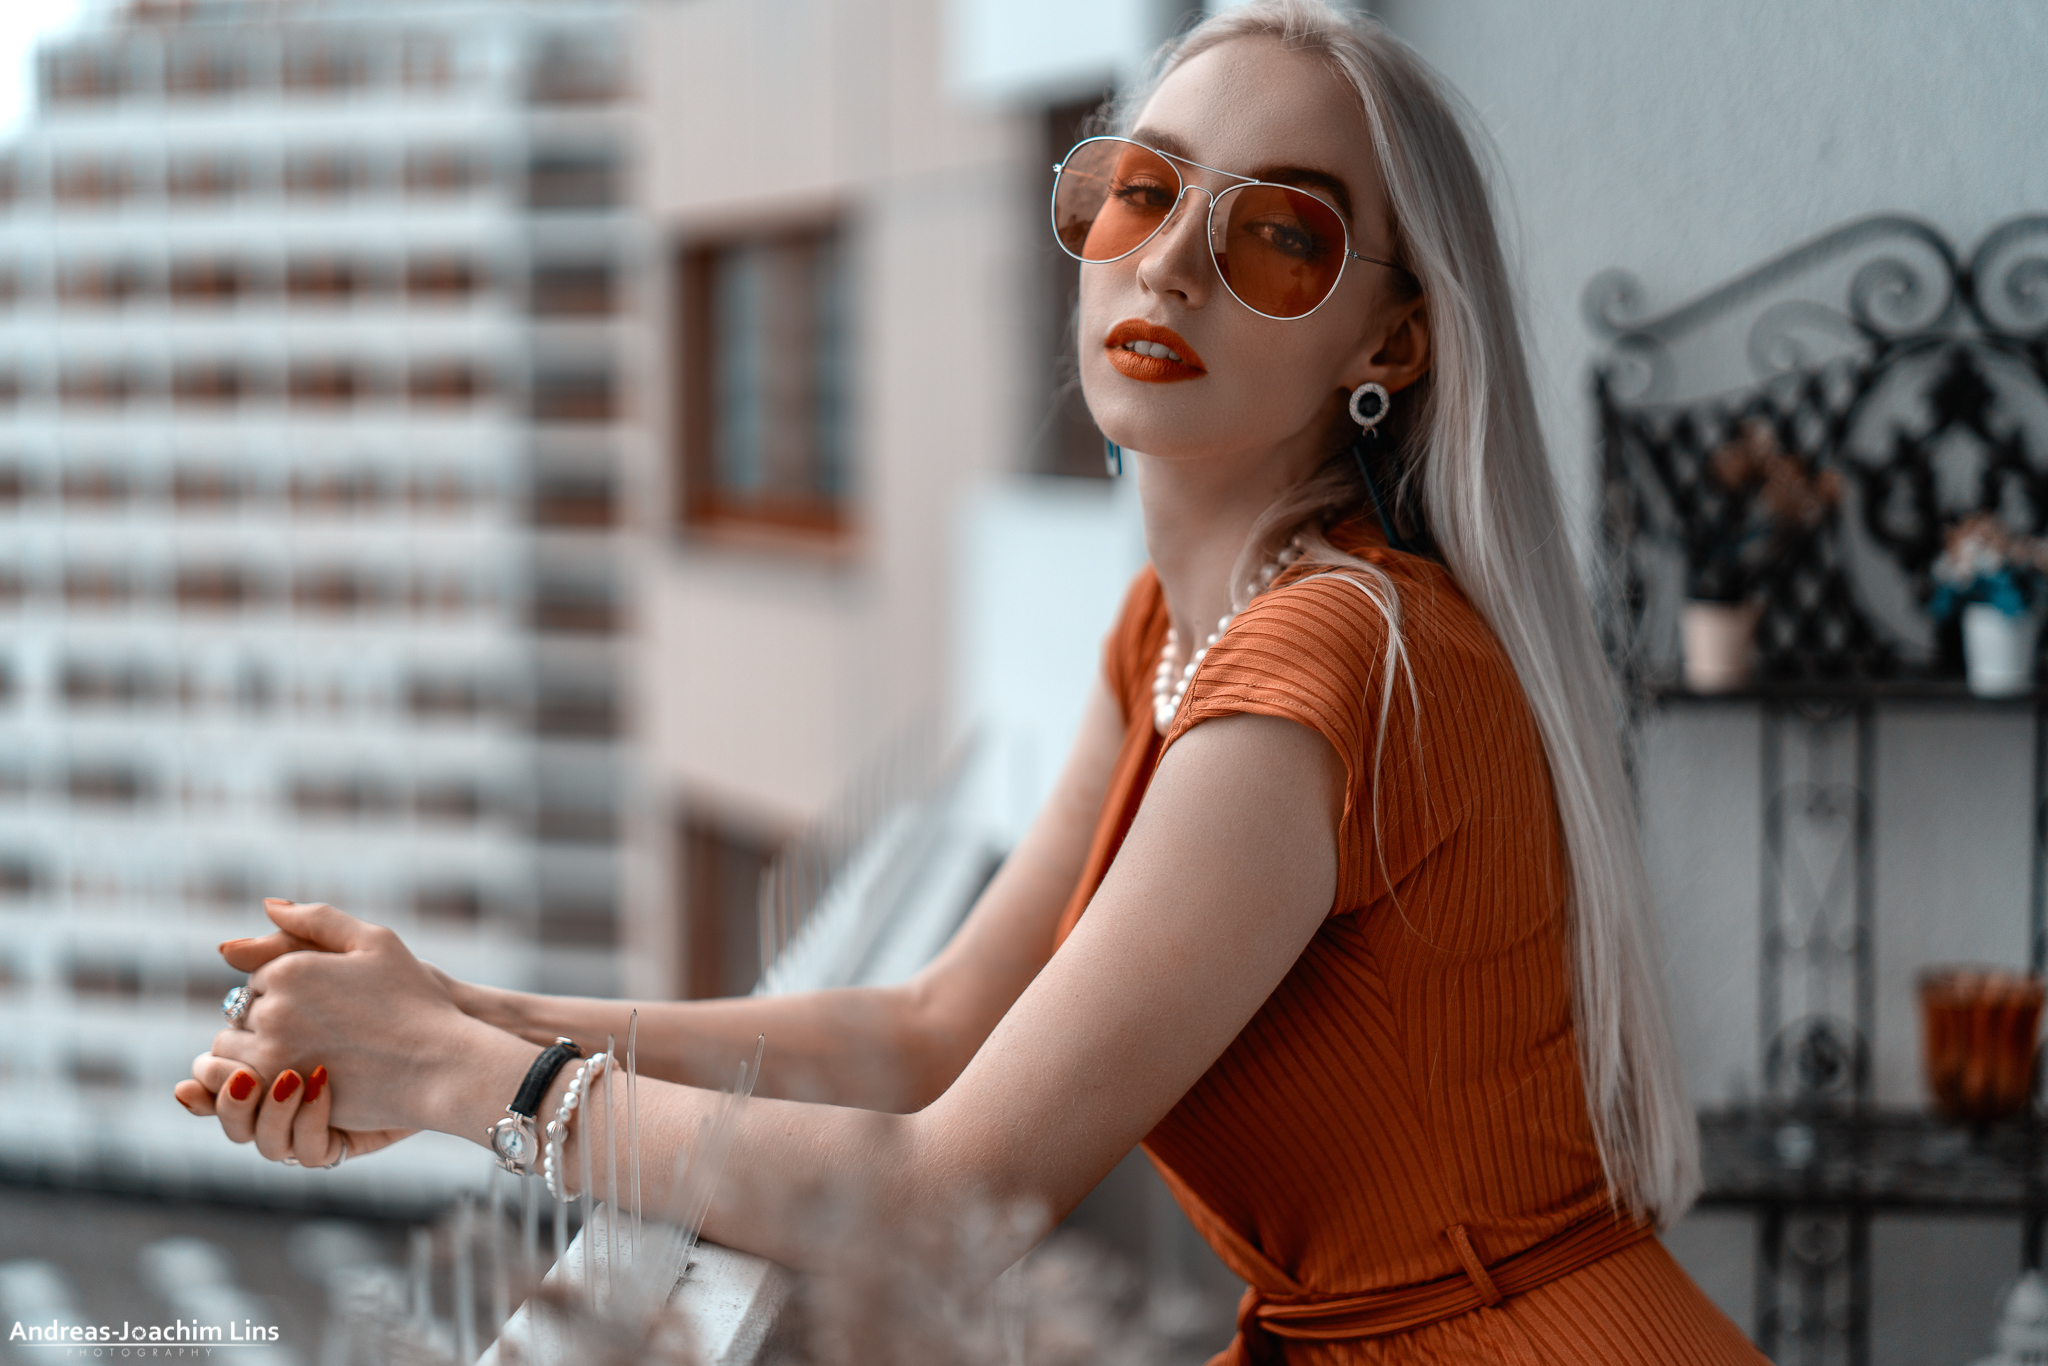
(235,1005)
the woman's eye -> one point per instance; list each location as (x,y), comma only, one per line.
(1287,236)
(1143,194)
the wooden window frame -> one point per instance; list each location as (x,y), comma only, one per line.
(823,521)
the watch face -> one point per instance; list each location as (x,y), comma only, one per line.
(511,1143)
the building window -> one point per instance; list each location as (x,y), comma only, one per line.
(566,394)
(206,282)
(765,381)
(440,171)
(441,279)
(201,72)
(451,905)
(332,591)
(81,75)
(215,588)
(448,383)
(574,605)
(97,284)
(94,487)
(573,500)
(198,488)
(561,289)
(98,385)
(572,69)
(325,383)
(721,880)
(95,586)
(208,384)
(110,785)
(570,179)
(324,68)
(332,492)
(84,182)
(323,175)
(428,62)
(201,179)
(1070,443)
(321,280)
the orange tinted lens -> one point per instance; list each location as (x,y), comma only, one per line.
(1281,250)
(1111,196)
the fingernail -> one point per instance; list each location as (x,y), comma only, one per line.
(181,1100)
(286,1084)
(276,901)
(227,944)
(241,1084)
(315,1084)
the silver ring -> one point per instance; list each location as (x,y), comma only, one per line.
(235,1005)
(339,1160)
(289,1160)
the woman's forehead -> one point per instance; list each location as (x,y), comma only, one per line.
(1250,105)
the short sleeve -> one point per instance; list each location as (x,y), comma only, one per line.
(1314,651)
(1127,648)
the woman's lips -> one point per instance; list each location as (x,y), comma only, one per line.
(1132,345)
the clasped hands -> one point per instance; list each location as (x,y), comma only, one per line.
(348,1039)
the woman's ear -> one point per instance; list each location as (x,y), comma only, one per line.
(1402,356)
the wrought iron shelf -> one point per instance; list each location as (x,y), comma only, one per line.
(1916,400)
(1884,1161)
(1934,693)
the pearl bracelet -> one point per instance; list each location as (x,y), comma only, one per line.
(565,1113)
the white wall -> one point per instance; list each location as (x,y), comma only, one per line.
(1684,143)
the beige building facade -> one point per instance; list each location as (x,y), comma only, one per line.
(796,604)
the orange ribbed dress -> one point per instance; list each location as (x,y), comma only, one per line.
(1406,1106)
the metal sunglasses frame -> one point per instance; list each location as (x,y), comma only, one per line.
(1209,223)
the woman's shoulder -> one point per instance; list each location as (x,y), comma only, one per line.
(1341,618)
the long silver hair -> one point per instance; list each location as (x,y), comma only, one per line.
(1469,458)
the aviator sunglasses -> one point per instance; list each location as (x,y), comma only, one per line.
(1278,250)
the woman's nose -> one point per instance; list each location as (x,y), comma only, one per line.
(1176,260)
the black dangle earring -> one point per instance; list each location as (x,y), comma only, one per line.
(1112,457)
(1369,404)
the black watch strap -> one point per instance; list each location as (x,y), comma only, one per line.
(541,1075)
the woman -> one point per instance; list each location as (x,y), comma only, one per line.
(1336,907)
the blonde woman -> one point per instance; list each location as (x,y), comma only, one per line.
(1337,907)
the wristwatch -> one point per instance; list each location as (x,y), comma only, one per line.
(512,1140)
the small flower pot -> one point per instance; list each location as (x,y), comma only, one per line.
(1998,650)
(1720,644)
(1981,1029)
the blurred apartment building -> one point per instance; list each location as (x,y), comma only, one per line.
(310,401)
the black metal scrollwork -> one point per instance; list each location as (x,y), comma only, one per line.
(1923,385)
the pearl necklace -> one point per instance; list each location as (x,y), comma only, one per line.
(1167,690)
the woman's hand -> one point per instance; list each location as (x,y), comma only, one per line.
(286,1119)
(247,955)
(385,1025)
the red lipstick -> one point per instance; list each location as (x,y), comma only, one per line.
(1152,369)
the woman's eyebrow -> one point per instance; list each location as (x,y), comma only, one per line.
(1309,178)
(1304,176)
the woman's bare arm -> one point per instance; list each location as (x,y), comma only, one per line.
(892,1048)
(1228,871)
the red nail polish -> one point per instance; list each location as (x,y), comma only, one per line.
(181,1100)
(286,1085)
(241,1084)
(227,944)
(315,1084)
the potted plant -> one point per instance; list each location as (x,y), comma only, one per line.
(1762,506)
(1994,579)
